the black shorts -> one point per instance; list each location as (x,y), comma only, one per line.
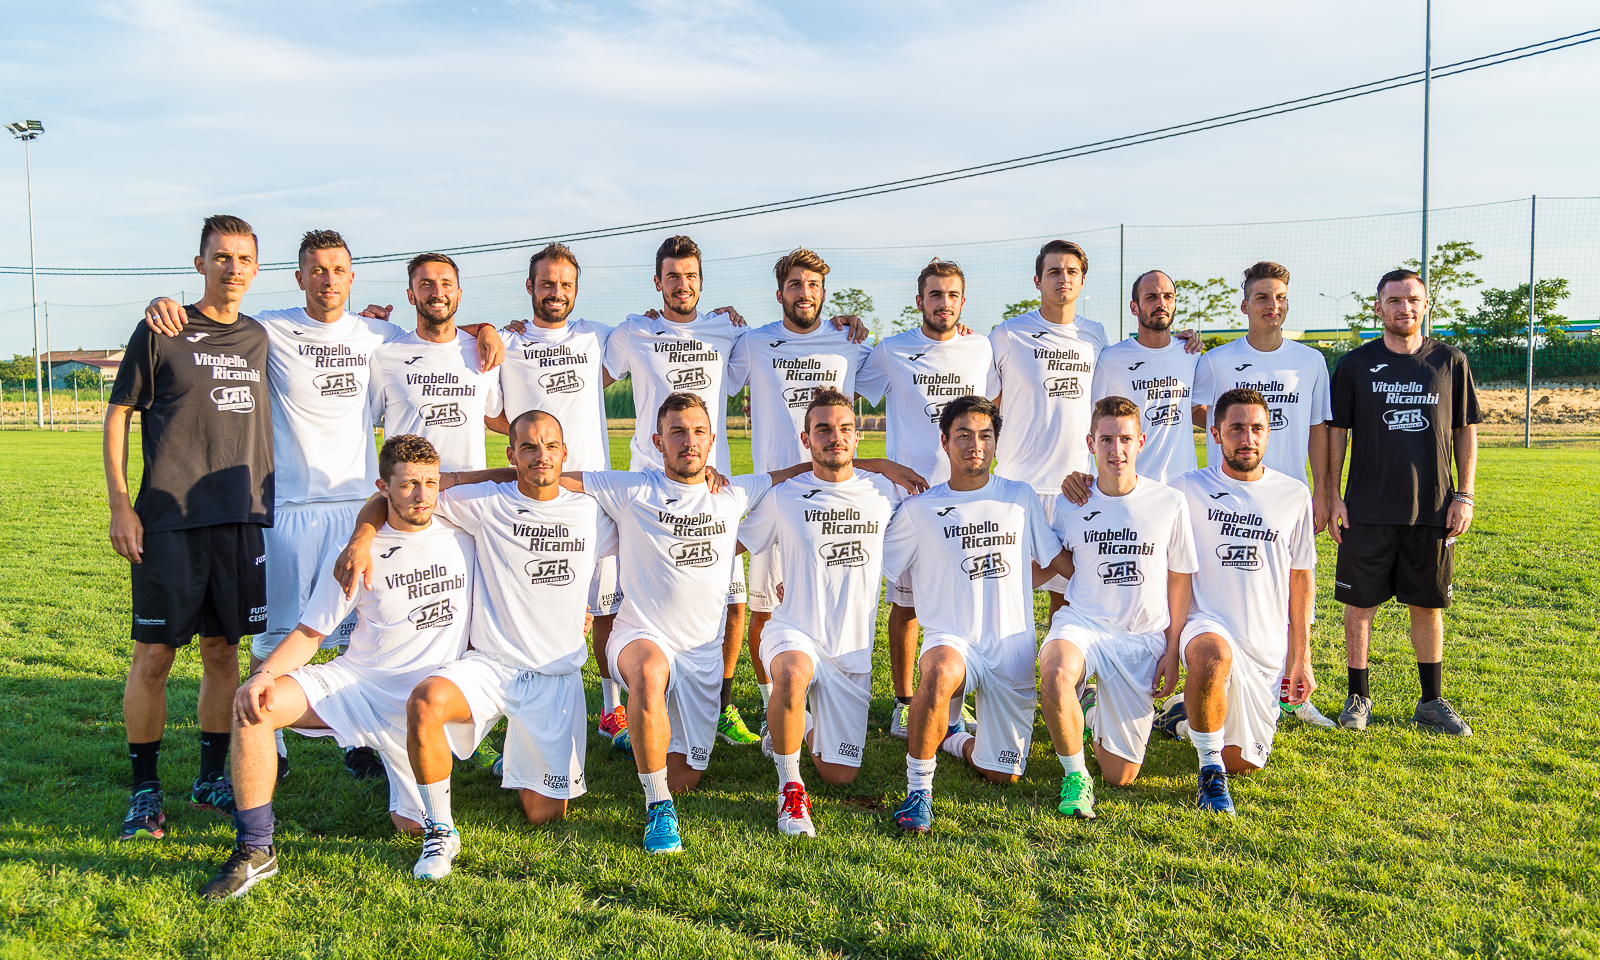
(1413,564)
(210,581)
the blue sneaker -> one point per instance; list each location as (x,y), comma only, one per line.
(1167,720)
(215,794)
(661,828)
(622,744)
(1213,795)
(915,815)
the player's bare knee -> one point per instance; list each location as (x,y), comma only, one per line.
(540,809)
(425,706)
(998,778)
(1119,778)
(682,781)
(837,774)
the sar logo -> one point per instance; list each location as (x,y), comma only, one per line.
(336,384)
(934,411)
(443,415)
(1121,573)
(798,396)
(1064,387)
(688,378)
(1239,556)
(550,572)
(561,381)
(435,614)
(693,553)
(986,566)
(233,399)
(843,553)
(1279,421)
(1410,420)
(1165,415)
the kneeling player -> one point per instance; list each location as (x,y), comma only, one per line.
(411,618)
(1133,555)
(830,523)
(1250,622)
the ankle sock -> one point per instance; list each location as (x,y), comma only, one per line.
(283,748)
(608,694)
(253,827)
(436,802)
(145,758)
(1209,747)
(902,701)
(1074,763)
(213,753)
(919,773)
(766,694)
(788,768)
(655,787)
(956,745)
(1358,681)
(1431,676)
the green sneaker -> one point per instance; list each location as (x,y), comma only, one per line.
(969,720)
(486,756)
(730,727)
(1077,796)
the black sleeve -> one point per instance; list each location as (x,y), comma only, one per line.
(1342,393)
(135,385)
(1464,405)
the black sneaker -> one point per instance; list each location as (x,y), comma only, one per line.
(364,763)
(1440,717)
(214,794)
(144,817)
(283,768)
(247,867)
(1170,716)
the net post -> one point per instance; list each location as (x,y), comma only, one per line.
(1527,416)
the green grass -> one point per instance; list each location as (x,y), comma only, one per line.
(1392,843)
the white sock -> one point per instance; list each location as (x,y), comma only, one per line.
(1074,763)
(1184,730)
(608,694)
(956,703)
(655,786)
(956,745)
(436,802)
(1208,746)
(1090,716)
(766,694)
(919,773)
(788,768)
(283,748)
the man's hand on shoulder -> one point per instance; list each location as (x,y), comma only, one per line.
(375,312)
(1191,340)
(1076,488)
(166,316)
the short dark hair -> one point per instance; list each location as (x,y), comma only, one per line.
(1264,270)
(826,397)
(1400,276)
(963,406)
(417,261)
(225,225)
(320,240)
(404,448)
(680,401)
(940,268)
(799,257)
(679,248)
(1236,397)
(557,252)
(1133,291)
(531,417)
(1060,246)
(1114,407)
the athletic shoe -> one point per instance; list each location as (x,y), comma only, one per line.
(730,727)
(969,721)
(247,867)
(622,744)
(214,794)
(1357,711)
(897,720)
(1090,697)
(1170,716)
(794,812)
(1077,796)
(486,757)
(1307,713)
(613,723)
(283,768)
(440,844)
(144,817)
(661,828)
(364,763)
(1440,717)
(766,745)
(1213,795)
(915,813)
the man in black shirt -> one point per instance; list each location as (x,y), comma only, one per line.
(194,534)
(1413,407)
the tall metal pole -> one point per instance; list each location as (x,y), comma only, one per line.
(1427,93)
(49,366)
(1527,415)
(1122,271)
(33,273)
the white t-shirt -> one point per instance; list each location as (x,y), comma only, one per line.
(665,357)
(832,537)
(319,379)
(1294,381)
(1045,370)
(969,554)
(783,369)
(920,375)
(1161,383)
(678,541)
(417,613)
(1247,537)
(535,560)
(437,390)
(1122,548)
(561,371)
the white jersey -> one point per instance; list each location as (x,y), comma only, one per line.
(535,560)
(919,375)
(318,374)
(1160,382)
(969,552)
(1294,381)
(665,357)
(1247,537)
(1122,548)
(1045,369)
(437,390)
(678,541)
(832,539)
(417,613)
(561,370)
(783,370)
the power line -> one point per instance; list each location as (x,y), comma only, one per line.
(948,176)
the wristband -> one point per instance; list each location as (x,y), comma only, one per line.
(1465,498)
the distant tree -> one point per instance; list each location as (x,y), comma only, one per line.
(1446,275)
(909,317)
(1212,303)
(85,378)
(1018,309)
(19,367)
(853,302)
(1501,320)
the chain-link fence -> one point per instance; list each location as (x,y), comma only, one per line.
(1481,265)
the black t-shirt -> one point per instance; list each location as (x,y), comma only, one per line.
(207,423)
(1401,409)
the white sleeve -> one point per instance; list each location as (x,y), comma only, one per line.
(464,505)
(616,356)
(872,380)
(1204,382)
(998,354)
(393,331)
(752,486)
(759,528)
(612,489)
(1321,399)
(899,544)
(328,606)
(1303,540)
(606,539)
(1100,383)
(1043,543)
(494,400)
(991,385)
(737,372)
(1181,557)
(1058,522)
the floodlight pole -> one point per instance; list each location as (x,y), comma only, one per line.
(27,137)
(1427,92)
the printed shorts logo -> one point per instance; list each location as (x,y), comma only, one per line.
(989,566)
(233,399)
(150,621)
(258,614)
(1410,420)
(443,415)
(555,572)
(1065,387)
(609,600)
(435,614)
(1165,415)
(1240,556)
(693,553)
(554,782)
(688,378)
(843,553)
(798,396)
(1010,758)
(1121,573)
(1279,421)
(699,753)
(336,384)
(561,381)
(934,411)
(850,750)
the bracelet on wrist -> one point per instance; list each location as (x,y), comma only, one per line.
(1465,498)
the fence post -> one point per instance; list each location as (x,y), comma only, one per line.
(1122,269)
(1527,415)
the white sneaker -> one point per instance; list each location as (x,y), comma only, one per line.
(439,848)
(794,812)
(1307,713)
(897,720)
(766,744)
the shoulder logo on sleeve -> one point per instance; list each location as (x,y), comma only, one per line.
(561,381)
(843,553)
(197,337)
(1377,368)
(1241,366)
(435,614)
(985,566)
(1121,573)
(1239,556)
(1064,387)
(1410,420)
(1165,415)
(552,572)
(688,378)
(412,360)
(336,384)
(390,552)
(233,399)
(692,553)
(1137,365)
(443,415)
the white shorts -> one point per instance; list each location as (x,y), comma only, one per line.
(765,576)
(1055,584)
(1125,665)
(694,694)
(547,722)
(1003,676)
(736,587)
(838,700)
(297,542)
(1252,693)
(900,592)
(605,592)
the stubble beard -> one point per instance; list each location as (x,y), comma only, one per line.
(792,313)
(550,316)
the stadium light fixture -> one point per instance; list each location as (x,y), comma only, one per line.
(28,131)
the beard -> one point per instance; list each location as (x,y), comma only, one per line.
(791,312)
(833,459)
(552,313)
(436,312)
(1242,462)
(941,324)
(1158,324)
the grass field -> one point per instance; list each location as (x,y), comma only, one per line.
(1391,843)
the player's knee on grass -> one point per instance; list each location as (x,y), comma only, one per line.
(1114,770)
(541,809)
(836,774)
(1234,762)
(680,776)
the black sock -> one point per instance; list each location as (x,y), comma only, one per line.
(903,700)
(727,692)
(1432,677)
(144,757)
(253,827)
(1358,682)
(213,753)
